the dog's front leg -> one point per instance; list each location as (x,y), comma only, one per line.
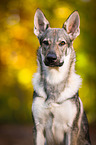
(38,134)
(38,118)
(67,138)
(40,139)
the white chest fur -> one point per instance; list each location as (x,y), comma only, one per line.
(54,118)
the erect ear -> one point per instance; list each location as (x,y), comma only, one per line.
(72,25)
(40,23)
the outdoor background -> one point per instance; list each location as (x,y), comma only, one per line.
(18,46)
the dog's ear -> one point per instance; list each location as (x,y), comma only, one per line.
(72,25)
(40,23)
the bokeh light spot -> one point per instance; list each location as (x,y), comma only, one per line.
(13,19)
(62,12)
(24,76)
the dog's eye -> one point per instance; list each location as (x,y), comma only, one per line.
(46,42)
(62,43)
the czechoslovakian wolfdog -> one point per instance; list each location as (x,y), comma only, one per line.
(59,118)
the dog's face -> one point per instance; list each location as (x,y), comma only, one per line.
(56,42)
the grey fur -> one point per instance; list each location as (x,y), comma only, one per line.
(59,117)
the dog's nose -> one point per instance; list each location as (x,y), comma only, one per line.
(51,57)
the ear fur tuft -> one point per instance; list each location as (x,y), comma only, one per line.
(40,23)
(72,25)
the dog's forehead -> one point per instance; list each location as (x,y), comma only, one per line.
(57,34)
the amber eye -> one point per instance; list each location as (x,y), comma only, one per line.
(62,43)
(46,42)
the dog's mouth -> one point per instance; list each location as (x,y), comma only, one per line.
(55,63)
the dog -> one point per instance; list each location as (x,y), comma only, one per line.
(58,114)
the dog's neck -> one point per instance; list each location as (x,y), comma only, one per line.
(57,83)
(61,82)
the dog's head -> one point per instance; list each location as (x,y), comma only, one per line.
(56,43)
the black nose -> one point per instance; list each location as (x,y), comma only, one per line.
(51,57)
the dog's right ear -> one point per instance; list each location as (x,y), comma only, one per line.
(72,25)
(40,23)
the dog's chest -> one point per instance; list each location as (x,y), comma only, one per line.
(54,118)
(62,116)
(60,120)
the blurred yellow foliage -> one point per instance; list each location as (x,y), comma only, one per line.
(77,43)
(25,76)
(63,12)
(18,46)
(18,32)
(18,61)
(14,103)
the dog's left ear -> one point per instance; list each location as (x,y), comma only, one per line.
(40,23)
(72,25)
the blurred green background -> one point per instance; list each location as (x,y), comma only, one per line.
(18,46)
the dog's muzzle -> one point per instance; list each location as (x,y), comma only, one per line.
(52,60)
